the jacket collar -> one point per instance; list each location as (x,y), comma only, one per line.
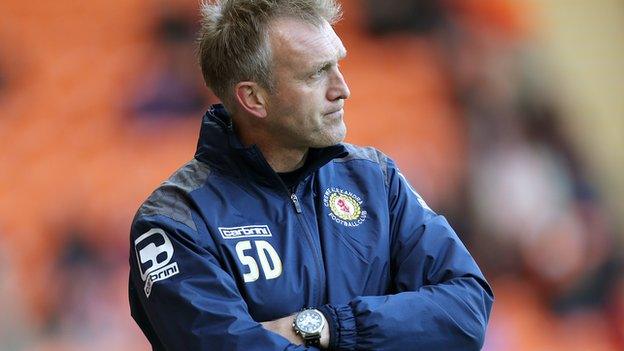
(219,147)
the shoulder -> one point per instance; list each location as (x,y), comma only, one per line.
(363,153)
(374,157)
(172,199)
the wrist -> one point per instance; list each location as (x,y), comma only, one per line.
(325,335)
(311,325)
(341,326)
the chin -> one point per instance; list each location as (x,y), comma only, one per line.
(332,139)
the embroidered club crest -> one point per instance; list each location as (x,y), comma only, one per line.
(345,207)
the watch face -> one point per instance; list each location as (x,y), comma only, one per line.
(309,321)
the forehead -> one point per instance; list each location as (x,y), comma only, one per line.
(298,42)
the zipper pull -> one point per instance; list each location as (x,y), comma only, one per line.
(295,202)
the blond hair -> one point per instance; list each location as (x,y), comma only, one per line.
(233,40)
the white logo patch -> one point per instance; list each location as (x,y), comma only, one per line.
(154,252)
(345,207)
(248,231)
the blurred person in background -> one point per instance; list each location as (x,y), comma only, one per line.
(83,292)
(275,213)
(15,333)
(534,216)
(172,87)
(416,16)
(554,238)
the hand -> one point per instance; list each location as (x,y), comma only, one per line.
(283,327)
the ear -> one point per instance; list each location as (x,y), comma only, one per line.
(252,98)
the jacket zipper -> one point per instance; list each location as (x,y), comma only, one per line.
(295,201)
(319,265)
(297,205)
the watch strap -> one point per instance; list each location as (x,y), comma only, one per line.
(313,341)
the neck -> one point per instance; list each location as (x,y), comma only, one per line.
(281,158)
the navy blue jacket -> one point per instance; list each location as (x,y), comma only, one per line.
(224,244)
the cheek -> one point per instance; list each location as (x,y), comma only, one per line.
(308,93)
(314,102)
(304,106)
(300,105)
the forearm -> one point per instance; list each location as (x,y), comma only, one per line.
(284,327)
(201,307)
(449,316)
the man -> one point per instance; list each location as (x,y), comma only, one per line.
(277,236)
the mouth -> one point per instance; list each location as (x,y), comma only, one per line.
(335,113)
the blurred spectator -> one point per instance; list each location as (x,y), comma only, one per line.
(77,267)
(86,291)
(616,310)
(531,212)
(415,16)
(172,86)
(15,332)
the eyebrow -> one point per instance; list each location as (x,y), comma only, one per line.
(342,53)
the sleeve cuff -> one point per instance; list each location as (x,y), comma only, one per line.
(342,329)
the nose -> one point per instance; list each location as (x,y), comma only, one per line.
(338,87)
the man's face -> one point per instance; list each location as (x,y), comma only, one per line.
(307,108)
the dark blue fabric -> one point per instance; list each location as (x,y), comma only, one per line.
(393,275)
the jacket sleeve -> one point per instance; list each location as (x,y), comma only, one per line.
(183,299)
(439,298)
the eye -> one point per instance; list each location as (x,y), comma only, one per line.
(321,71)
(318,73)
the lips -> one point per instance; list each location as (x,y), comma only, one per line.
(334,111)
(334,114)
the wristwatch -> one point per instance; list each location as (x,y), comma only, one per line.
(309,323)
